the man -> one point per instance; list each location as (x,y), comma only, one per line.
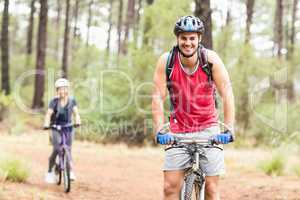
(194,112)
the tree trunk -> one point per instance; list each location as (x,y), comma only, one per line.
(278,29)
(287,5)
(76,11)
(137,22)
(57,26)
(228,18)
(226,36)
(5,49)
(128,25)
(149,2)
(243,113)
(41,56)
(250,8)
(109,27)
(292,36)
(120,25)
(292,70)
(30,28)
(203,11)
(89,22)
(66,42)
(147,26)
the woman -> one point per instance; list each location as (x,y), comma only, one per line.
(60,111)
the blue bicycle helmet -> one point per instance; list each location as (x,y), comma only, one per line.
(188,24)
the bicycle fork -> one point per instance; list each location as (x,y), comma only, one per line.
(196,168)
(196,161)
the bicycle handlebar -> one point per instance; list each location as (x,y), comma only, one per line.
(201,143)
(210,141)
(204,142)
(59,127)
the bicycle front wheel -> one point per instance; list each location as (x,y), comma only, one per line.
(58,174)
(192,188)
(66,173)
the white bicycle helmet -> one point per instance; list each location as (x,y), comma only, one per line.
(61,82)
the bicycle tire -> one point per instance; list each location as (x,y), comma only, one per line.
(191,186)
(57,174)
(66,174)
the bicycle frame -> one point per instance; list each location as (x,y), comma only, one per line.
(194,175)
(195,148)
(195,169)
(64,149)
(63,167)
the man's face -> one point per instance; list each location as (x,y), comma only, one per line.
(188,43)
(62,91)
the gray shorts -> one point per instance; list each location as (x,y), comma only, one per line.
(179,159)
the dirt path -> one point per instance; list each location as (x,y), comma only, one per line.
(115,172)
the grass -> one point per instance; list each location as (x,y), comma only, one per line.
(2,176)
(12,169)
(274,166)
(297,170)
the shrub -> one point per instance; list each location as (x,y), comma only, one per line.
(274,166)
(14,170)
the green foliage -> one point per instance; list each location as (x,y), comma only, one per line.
(163,15)
(5,100)
(223,42)
(281,130)
(261,115)
(104,84)
(14,170)
(274,166)
(120,104)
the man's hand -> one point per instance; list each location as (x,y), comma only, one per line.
(164,138)
(224,137)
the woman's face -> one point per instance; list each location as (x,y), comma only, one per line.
(62,92)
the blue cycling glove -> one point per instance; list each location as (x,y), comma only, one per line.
(224,137)
(164,138)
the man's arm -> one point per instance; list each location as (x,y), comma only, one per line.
(159,93)
(223,84)
(48,117)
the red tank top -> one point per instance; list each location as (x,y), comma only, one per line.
(193,100)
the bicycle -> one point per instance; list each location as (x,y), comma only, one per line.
(194,178)
(62,165)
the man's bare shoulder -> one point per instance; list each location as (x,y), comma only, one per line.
(212,56)
(162,61)
(164,56)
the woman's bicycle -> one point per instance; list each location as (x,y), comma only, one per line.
(194,179)
(62,167)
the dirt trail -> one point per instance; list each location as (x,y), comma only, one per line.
(115,172)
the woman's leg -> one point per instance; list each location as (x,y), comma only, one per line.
(56,140)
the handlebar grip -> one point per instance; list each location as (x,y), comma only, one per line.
(76,125)
(214,142)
